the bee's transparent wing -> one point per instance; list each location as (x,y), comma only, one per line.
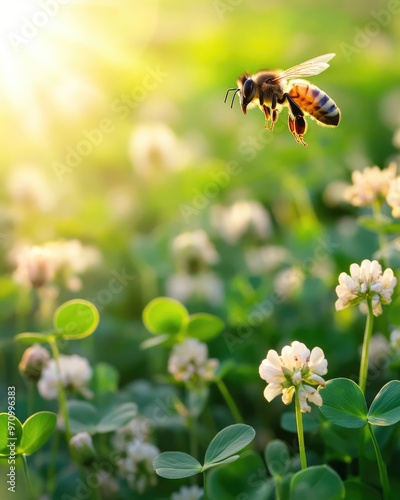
(308,68)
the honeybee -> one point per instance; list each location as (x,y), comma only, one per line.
(271,91)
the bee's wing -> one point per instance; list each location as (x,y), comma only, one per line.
(308,68)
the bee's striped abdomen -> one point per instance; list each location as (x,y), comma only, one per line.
(315,102)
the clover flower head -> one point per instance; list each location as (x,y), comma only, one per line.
(297,368)
(37,266)
(189,362)
(155,150)
(187,493)
(205,286)
(33,361)
(137,465)
(194,252)
(242,218)
(395,339)
(365,282)
(75,375)
(138,428)
(82,444)
(369,184)
(393,197)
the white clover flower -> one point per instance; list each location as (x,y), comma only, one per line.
(137,465)
(194,252)
(393,197)
(189,362)
(243,217)
(204,286)
(296,368)
(288,282)
(33,361)
(35,266)
(82,444)
(38,265)
(187,493)
(75,375)
(365,281)
(266,258)
(154,149)
(395,339)
(72,256)
(369,184)
(137,428)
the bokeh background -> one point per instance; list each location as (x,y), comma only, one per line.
(116,141)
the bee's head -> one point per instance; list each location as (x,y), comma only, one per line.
(247,91)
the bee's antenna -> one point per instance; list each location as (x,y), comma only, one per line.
(235,90)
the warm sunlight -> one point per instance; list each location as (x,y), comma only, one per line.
(44,51)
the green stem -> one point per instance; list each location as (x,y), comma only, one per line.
(193,444)
(31,397)
(229,401)
(278,488)
(62,398)
(27,476)
(51,477)
(300,433)
(365,348)
(381,464)
(204,486)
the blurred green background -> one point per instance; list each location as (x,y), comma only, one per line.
(115,133)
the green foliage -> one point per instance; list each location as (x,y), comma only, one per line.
(277,458)
(317,482)
(73,320)
(221,450)
(76,319)
(176,464)
(344,404)
(385,408)
(227,442)
(247,476)
(29,436)
(171,322)
(85,417)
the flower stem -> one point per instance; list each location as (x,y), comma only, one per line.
(365,347)
(381,464)
(62,398)
(204,486)
(51,475)
(27,476)
(229,401)
(300,433)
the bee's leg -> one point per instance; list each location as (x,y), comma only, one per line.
(267,112)
(273,111)
(297,123)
